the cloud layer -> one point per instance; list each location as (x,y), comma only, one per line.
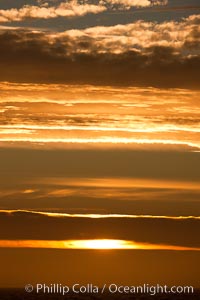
(71,8)
(96,182)
(177,232)
(141,53)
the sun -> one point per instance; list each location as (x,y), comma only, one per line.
(100,244)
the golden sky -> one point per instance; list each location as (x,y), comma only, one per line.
(99,142)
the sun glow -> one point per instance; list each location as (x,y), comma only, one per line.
(101,244)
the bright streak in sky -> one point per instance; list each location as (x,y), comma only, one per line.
(92,244)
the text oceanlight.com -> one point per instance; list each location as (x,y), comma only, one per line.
(57,288)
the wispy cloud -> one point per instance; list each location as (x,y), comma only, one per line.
(97,216)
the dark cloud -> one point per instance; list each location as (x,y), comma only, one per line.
(24,225)
(32,57)
(169,165)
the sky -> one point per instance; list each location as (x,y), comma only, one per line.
(99,141)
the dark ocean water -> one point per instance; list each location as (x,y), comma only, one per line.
(19,294)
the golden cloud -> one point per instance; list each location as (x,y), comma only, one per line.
(70,9)
(64,9)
